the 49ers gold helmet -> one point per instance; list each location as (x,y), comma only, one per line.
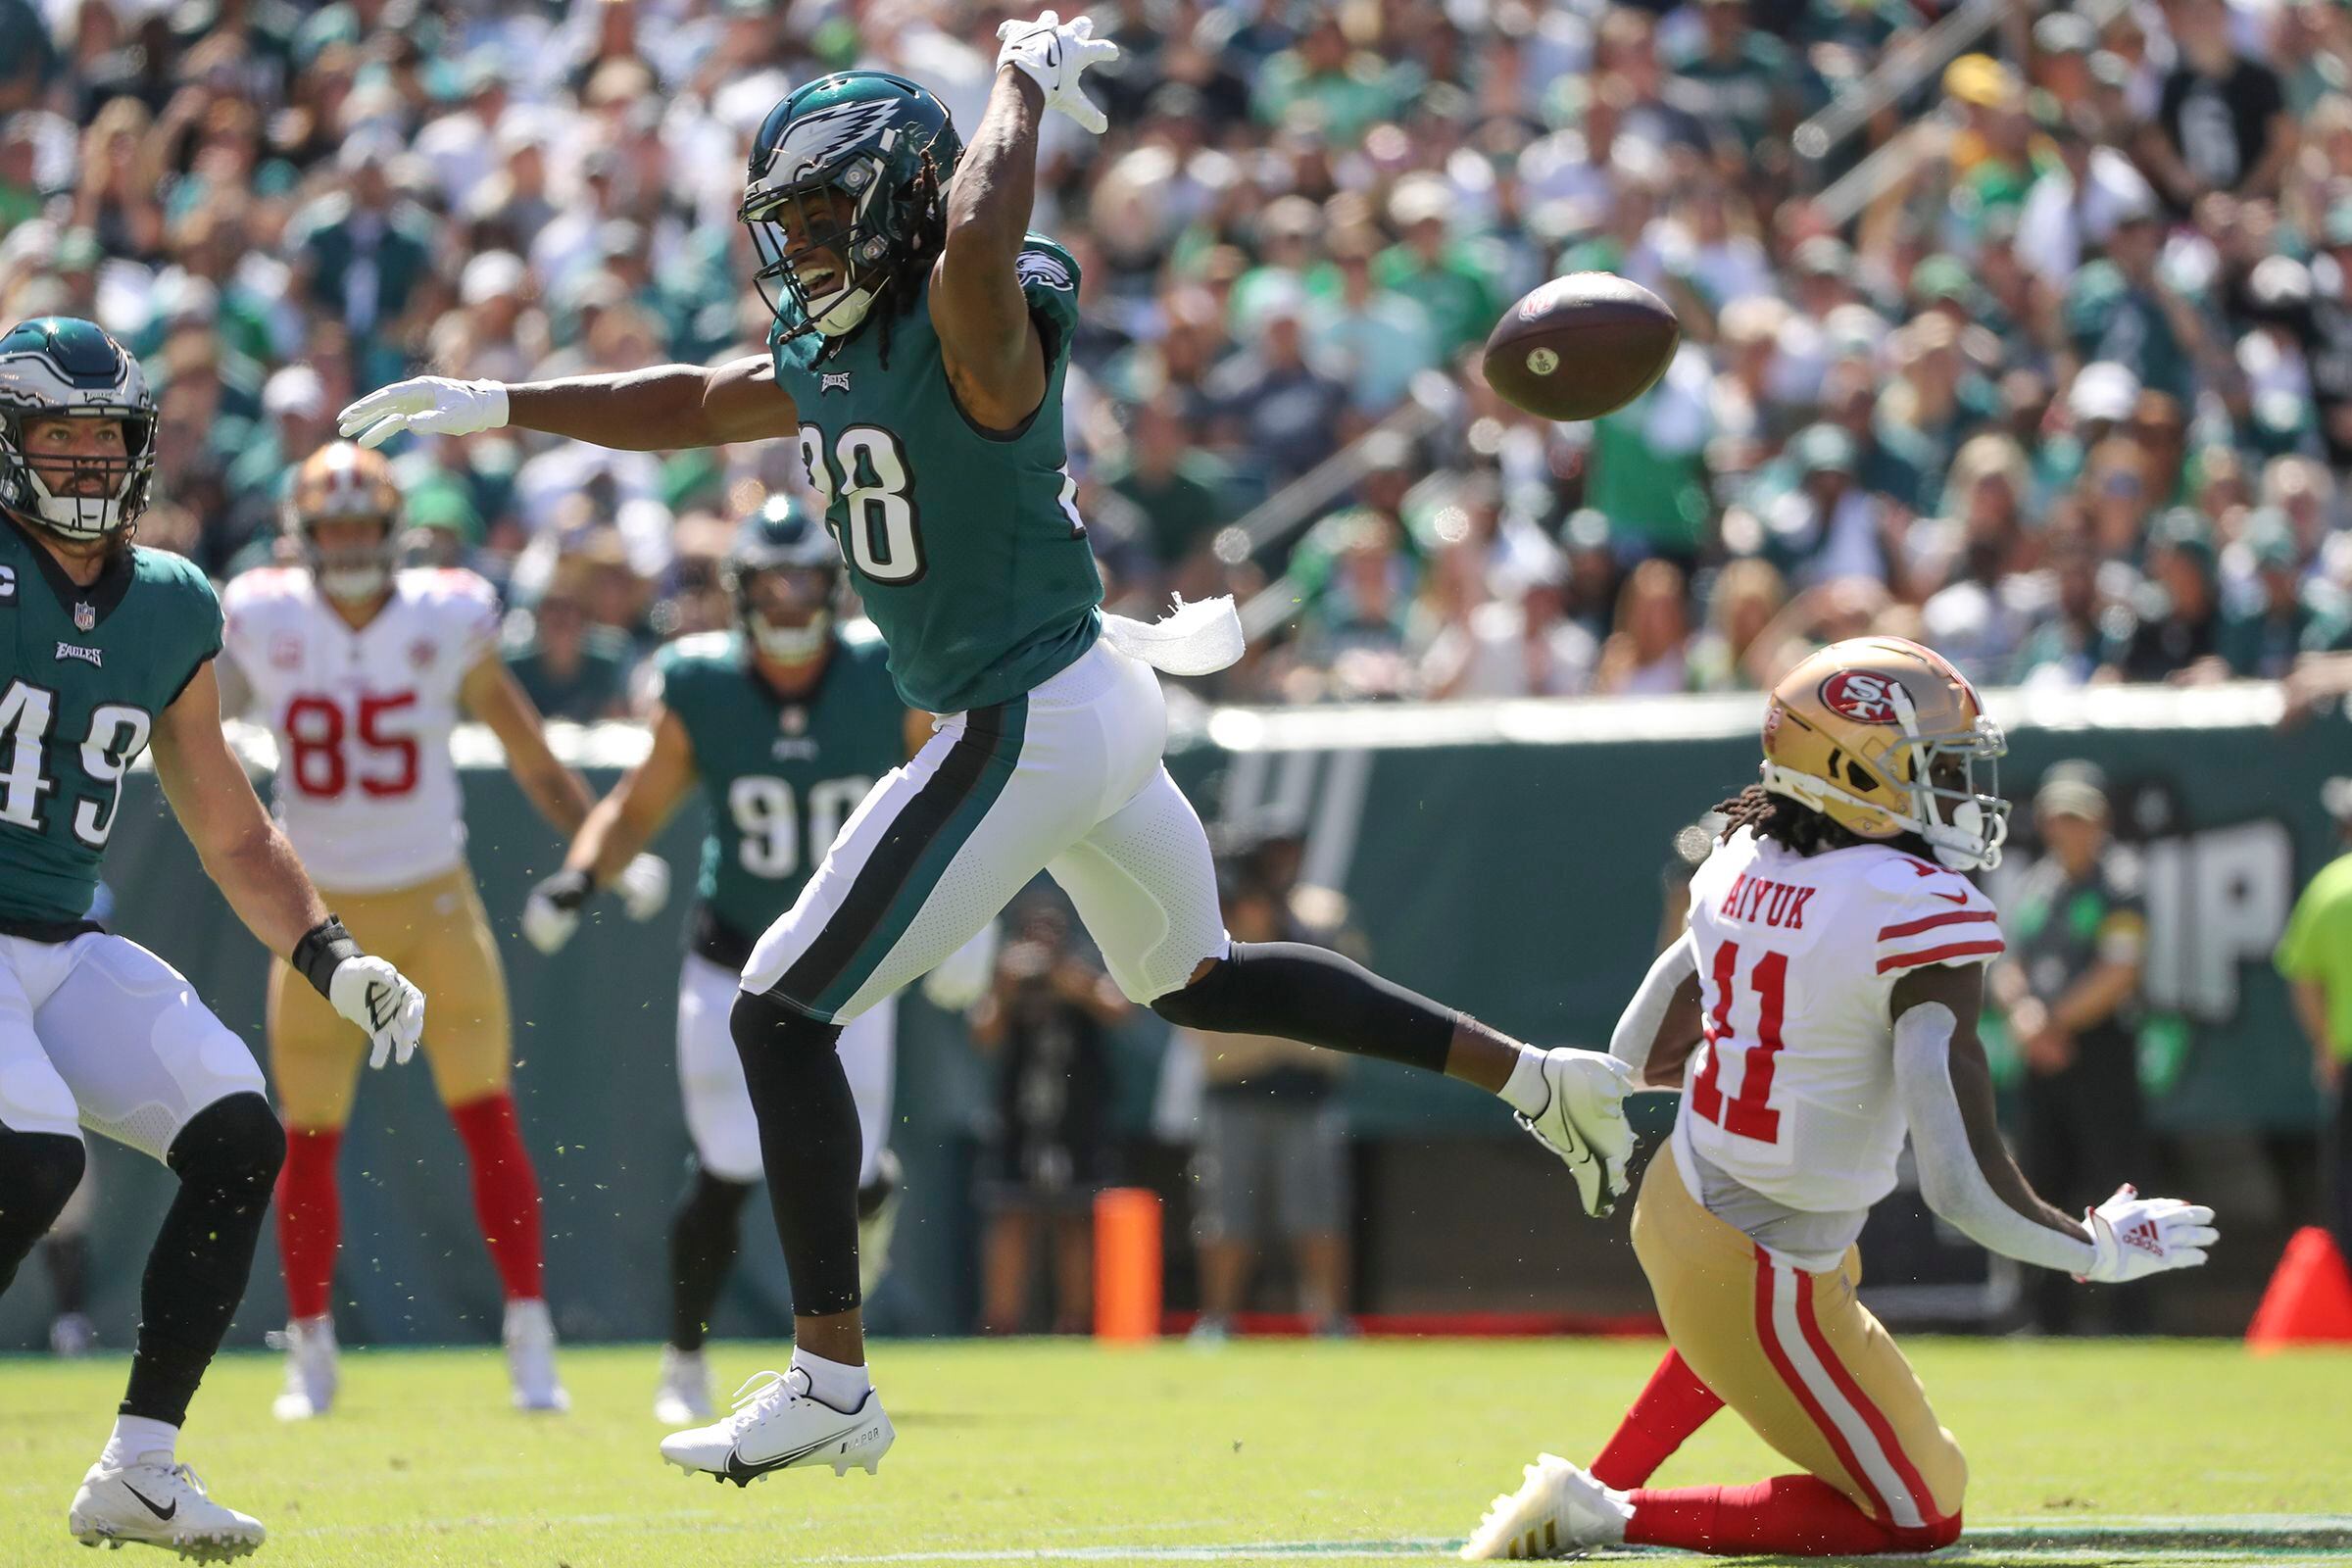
(336,482)
(1882,737)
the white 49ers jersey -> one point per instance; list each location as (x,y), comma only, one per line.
(1792,1092)
(365,788)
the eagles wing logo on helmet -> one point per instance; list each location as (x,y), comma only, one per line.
(1859,696)
(821,136)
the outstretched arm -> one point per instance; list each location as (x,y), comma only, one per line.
(995,356)
(1965,1171)
(608,847)
(663,409)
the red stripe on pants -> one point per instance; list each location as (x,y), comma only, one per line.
(1767,1335)
(1921,1497)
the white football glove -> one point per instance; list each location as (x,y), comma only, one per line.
(1584,1123)
(379,999)
(428,405)
(2132,1237)
(1053,54)
(551,914)
(643,886)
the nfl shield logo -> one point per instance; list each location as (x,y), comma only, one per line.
(85,616)
(793,721)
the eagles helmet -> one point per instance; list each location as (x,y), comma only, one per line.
(1882,737)
(57,367)
(784,536)
(340,481)
(886,147)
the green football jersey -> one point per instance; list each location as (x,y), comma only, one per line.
(781,776)
(967,548)
(84,674)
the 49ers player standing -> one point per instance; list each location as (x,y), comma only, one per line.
(360,671)
(1823,1001)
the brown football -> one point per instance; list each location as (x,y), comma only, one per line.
(1580,346)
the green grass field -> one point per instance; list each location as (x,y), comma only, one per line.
(1260,1453)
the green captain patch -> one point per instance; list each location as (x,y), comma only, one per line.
(966,545)
(781,776)
(84,675)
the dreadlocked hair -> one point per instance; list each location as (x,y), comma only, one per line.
(906,287)
(1789,823)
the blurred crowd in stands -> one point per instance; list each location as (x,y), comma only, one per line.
(2049,362)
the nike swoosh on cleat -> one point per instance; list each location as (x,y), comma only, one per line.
(743,1473)
(160,1513)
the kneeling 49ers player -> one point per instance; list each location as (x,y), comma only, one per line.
(360,671)
(1823,1000)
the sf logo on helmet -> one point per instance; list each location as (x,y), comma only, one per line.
(1864,698)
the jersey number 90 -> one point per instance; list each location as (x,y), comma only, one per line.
(767,820)
(879,525)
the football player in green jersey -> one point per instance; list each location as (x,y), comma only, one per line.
(784,723)
(106,649)
(920,343)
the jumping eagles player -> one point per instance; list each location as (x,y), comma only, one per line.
(785,722)
(1823,1002)
(104,650)
(919,348)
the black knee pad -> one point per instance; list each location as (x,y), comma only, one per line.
(233,1144)
(763,1025)
(38,1172)
(1209,1003)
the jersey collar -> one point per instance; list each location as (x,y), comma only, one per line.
(102,596)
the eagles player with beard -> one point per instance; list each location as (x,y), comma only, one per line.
(105,649)
(785,722)
(919,348)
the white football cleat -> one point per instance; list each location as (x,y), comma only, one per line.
(154,1503)
(878,1204)
(1557,1510)
(1584,1122)
(778,1425)
(312,1368)
(531,1335)
(684,1394)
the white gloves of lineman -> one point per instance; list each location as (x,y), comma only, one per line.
(551,914)
(1053,54)
(379,999)
(428,405)
(2132,1237)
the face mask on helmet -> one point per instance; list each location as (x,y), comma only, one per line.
(827,283)
(1936,788)
(79,494)
(352,573)
(788,611)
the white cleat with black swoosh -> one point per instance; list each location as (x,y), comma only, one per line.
(779,1425)
(154,1503)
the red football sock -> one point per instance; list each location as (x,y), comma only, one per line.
(506,1190)
(1673,1406)
(310,1218)
(1794,1516)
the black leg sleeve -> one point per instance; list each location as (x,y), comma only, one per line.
(226,1158)
(809,1144)
(1310,994)
(38,1172)
(702,1249)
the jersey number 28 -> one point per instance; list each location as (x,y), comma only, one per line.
(879,525)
